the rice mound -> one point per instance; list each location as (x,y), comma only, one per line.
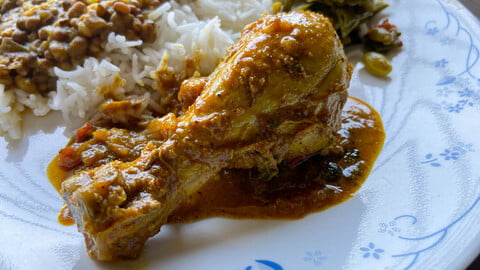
(203,29)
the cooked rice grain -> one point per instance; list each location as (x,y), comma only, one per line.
(202,29)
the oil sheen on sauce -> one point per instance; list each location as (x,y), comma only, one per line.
(306,185)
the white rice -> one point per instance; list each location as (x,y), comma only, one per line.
(201,28)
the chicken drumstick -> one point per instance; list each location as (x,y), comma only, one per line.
(278,94)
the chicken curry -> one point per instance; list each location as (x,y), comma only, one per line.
(302,186)
(265,135)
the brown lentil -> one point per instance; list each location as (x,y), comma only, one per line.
(78,46)
(19,36)
(36,35)
(58,50)
(76,10)
(7,5)
(121,8)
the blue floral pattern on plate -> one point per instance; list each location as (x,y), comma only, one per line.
(455,92)
(315,257)
(266,265)
(452,154)
(371,250)
(462,87)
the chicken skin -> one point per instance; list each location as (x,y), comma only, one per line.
(278,94)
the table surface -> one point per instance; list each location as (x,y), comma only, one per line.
(474,7)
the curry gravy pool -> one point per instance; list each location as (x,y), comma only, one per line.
(303,186)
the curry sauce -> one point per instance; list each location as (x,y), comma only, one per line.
(304,185)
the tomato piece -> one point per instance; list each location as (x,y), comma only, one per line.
(84,133)
(69,158)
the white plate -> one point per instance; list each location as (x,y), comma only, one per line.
(419,209)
